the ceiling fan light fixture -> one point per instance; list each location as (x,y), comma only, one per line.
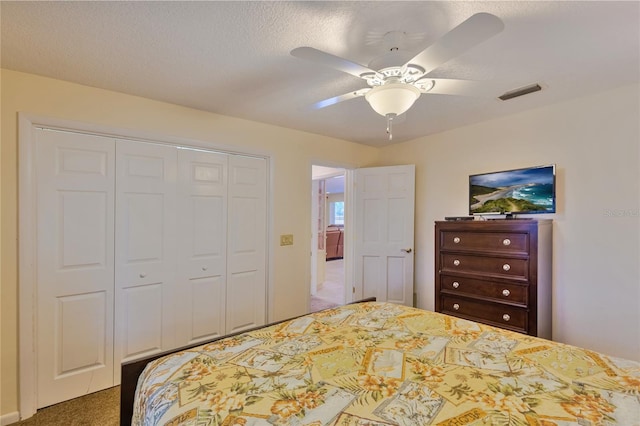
(392,98)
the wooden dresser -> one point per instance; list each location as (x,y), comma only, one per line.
(497,272)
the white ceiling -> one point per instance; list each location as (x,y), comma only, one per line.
(333,178)
(233,58)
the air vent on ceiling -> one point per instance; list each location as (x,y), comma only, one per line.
(520,92)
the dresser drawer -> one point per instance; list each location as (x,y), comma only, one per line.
(504,316)
(504,292)
(495,266)
(505,242)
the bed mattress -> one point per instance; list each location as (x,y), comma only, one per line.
(386,364)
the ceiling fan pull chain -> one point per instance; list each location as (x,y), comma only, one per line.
(390,125)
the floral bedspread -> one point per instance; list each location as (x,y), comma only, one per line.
(385,364)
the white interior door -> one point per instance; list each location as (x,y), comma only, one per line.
(202,245)
(384,233)
(75,198)
(145,239)
(246,243)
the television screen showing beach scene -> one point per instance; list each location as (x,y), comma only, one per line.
(530,190)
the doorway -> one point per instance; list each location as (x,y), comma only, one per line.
(328,230)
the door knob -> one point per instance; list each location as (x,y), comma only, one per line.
(407,250)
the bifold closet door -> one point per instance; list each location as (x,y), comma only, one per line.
(75,187)
(246,246)
(141,248)
(145,247)
(202,245)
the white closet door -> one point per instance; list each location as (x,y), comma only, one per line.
(247,227)
(75,175)
(145,240)
(202,240)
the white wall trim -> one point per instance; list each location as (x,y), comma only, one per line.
(27,380)
(349,232)
(27,247)
(7,419)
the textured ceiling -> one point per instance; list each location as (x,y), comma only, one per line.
(233,58)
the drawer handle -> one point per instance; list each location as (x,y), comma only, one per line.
(506,317)
(204,268)
(142,275)
(455,284)
(456,306)
(506,292)
(456,240)
(506,266)
(456,262)
(506,242)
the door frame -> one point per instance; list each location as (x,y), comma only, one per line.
(27,238)
(349,201)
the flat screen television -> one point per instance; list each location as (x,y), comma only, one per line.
(521,191)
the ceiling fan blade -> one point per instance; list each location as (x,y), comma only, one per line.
(468,34)
(341,98)
(329,60)
(446,86)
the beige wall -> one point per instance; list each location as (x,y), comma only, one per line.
(594,142)
(292,154)
(596,235)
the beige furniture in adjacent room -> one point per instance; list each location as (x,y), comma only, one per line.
(335,239)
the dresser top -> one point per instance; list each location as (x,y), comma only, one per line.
(494,224)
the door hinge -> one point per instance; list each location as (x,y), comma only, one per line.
(353,290)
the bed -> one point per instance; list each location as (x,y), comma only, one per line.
(375,363)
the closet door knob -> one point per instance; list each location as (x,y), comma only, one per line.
(407,250)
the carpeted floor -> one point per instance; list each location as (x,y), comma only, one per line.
(331,292)
(96,409)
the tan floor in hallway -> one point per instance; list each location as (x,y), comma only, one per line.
(331,292)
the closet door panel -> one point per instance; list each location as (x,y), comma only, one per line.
(206,310)
(246,282)
(142,312)
(74,317)
(202,241)
(145,240)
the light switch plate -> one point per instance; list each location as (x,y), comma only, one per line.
(286,240)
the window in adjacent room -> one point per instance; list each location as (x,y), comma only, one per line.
(336,213)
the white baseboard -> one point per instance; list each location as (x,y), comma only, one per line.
(7,419)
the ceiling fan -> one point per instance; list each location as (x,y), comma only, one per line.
(395,84)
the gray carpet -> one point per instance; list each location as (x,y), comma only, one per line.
(96,409)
